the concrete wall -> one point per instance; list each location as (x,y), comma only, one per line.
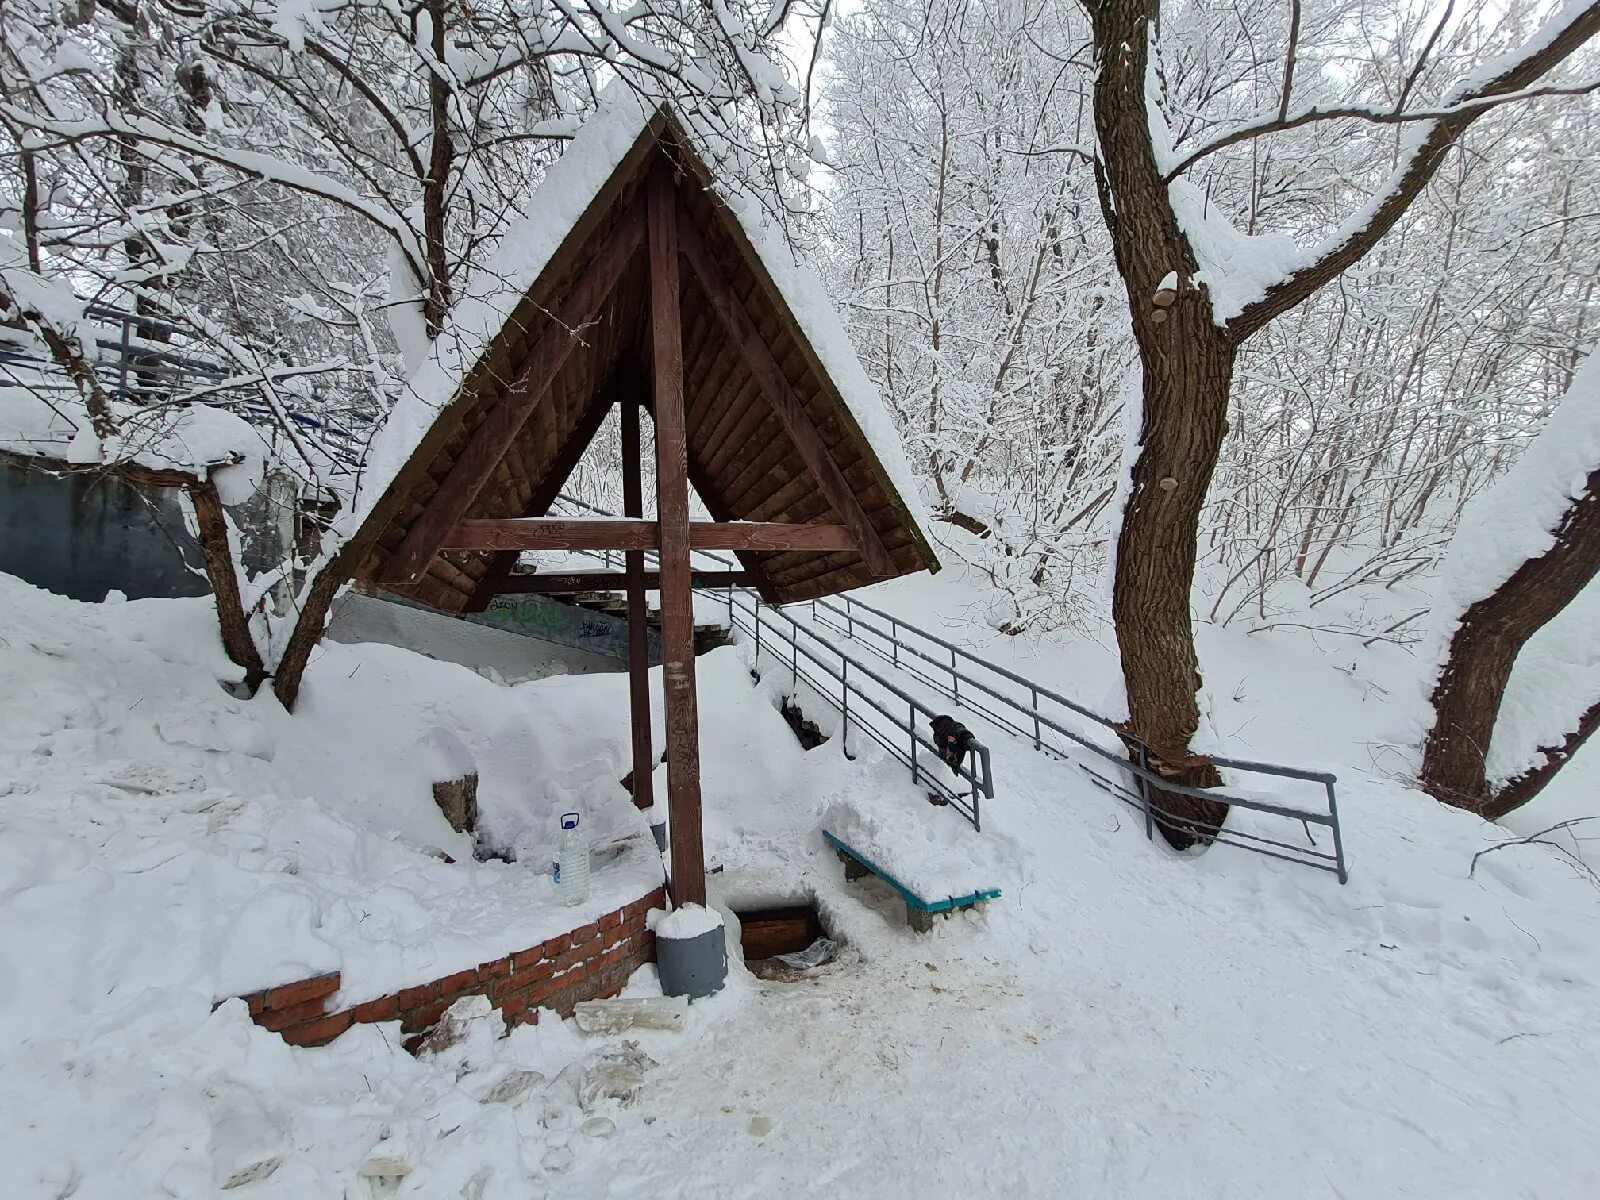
(513,657)
(82,534)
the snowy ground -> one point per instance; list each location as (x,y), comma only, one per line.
(1123,1022)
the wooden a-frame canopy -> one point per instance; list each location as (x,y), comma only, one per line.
(655,299)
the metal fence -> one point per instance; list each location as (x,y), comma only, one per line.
(1022,706)
(149,362)
(867,703)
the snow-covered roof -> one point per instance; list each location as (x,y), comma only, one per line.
(194,441)
(508,292)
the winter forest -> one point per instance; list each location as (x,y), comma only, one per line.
(1242,356)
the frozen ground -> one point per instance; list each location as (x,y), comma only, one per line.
(1123,1022)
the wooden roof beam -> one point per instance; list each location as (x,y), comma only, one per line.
(549,488)
(493,438)
(560,533)
(568,582)
(785,402)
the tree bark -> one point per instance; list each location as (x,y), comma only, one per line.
(1483,650)
(1187,361)
(436,188)
(217,550)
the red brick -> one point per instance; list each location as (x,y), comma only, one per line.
(613,956)
(512,1006)
(523,959)
(586,933)
(498,969)
(577,955)
(319,1032)
(424,1016)
(502,990)
(291,994)
(256,1001)
(459,983)
(612,920)
(278,1019)
(411,997)
(384,1008)
(526,1016)
(553,947)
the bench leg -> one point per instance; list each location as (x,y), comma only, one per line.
(853,870)
(920,919)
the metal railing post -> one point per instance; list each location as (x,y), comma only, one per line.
(894,643)
(1144,792)
(1036,742)
(1338,840)
(955,679)
(844,706)
(911,729)
(758,634)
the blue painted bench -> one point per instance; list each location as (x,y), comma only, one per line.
(919,912)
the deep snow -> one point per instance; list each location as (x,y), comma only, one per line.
(1122,1022)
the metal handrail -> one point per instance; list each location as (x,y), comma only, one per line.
(977,770)
(1031,722)
(901,738)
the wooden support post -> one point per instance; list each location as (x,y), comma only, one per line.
(672,513)
(638,617)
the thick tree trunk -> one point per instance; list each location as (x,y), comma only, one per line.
(1483,650)
(1188,370)
(1186,386)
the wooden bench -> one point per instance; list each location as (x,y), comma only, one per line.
(919,912)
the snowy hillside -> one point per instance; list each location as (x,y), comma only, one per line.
(1122,1022)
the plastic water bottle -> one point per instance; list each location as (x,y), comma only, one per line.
(570,871)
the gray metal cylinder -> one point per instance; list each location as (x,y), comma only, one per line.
(693,967)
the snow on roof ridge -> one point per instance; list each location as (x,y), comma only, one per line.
(570,185)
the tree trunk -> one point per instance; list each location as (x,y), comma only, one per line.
(1483,650)
(436,188)
(217,550)
(1188,370)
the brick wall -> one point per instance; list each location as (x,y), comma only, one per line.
(589,963)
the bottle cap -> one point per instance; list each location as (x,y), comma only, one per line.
(569,820)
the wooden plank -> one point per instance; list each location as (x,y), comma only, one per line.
(786,405)
(621,533)
(911,898)
(547,490)
(672,511)
(644,763)
(570,582)
(500,428)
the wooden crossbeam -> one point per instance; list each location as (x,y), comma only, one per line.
(566,583)
(786,403)
(547,491)
(494,436)
(561,533)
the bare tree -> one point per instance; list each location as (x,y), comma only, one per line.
(1530,546)
(1188,347)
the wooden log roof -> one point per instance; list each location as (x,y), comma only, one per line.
(774,434)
